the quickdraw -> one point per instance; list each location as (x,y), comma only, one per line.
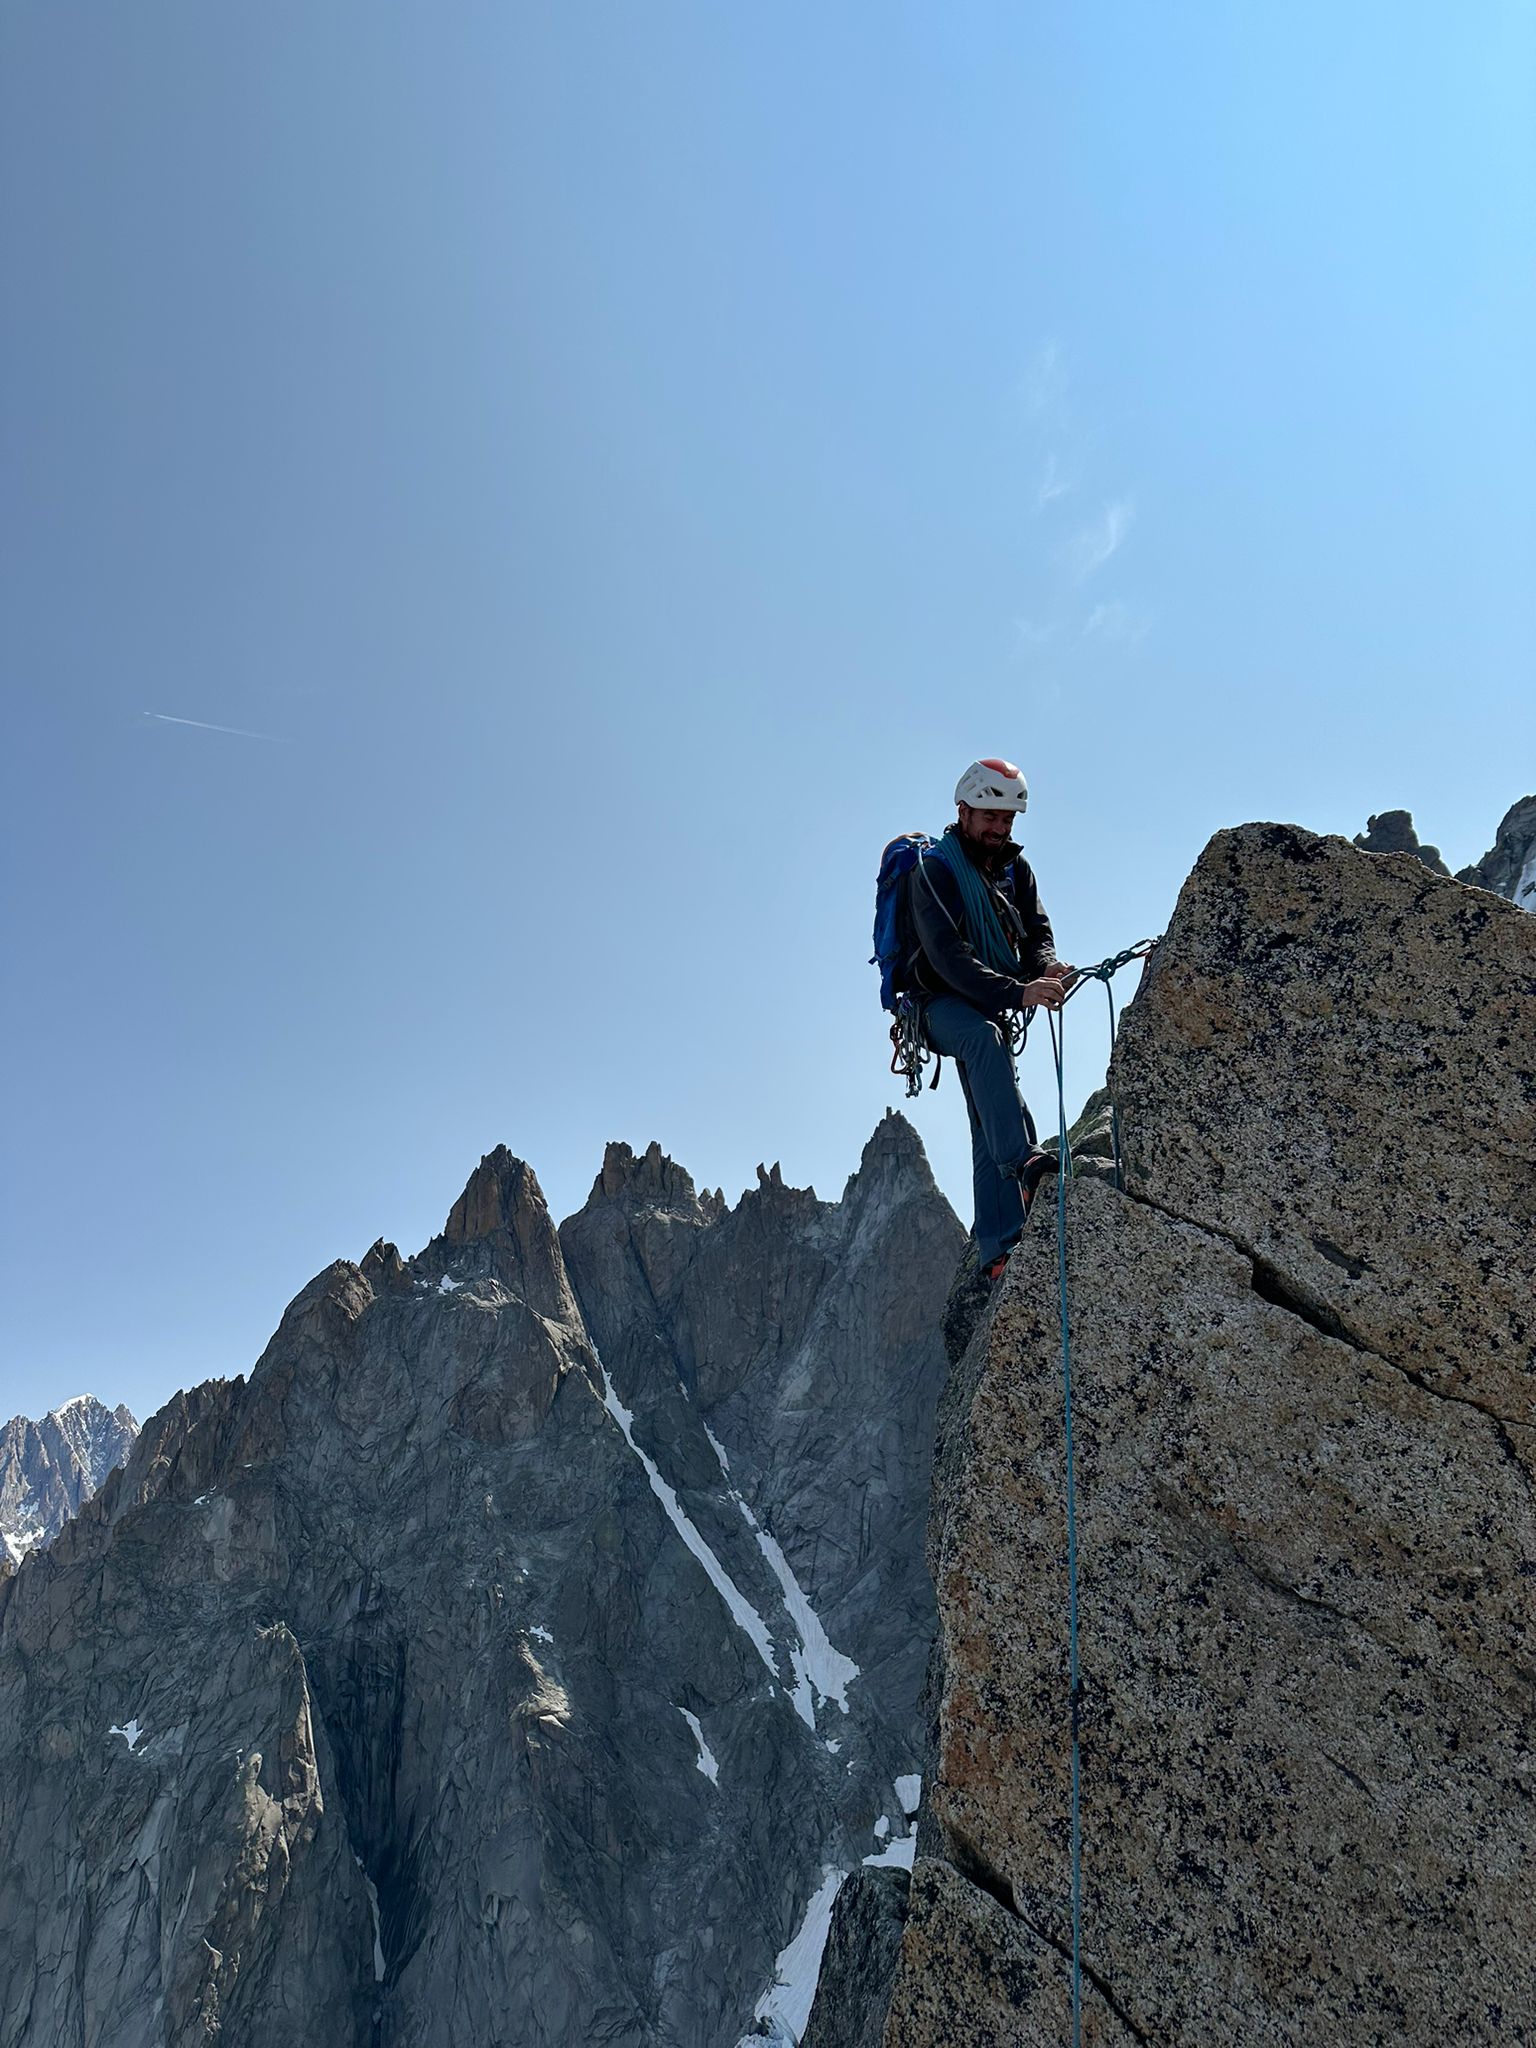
(910,1051)
(1107,969)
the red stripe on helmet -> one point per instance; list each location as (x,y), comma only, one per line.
(1002,767)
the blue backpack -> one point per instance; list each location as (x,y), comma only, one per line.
(895,946)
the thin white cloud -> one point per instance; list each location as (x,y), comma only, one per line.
(1115,623)
(235,731)
(1052,484)
(1092,548)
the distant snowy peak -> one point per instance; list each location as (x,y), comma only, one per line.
(48,1469)
(1508,868)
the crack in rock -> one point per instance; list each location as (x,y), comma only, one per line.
(967,1861)
(1282,1292)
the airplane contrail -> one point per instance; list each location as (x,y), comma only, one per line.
(202,725)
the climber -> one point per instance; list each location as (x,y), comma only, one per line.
(986,949)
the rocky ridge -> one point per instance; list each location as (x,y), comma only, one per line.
(1393,832)
(1305,1409)
(1508,868)
(459,1677)
(776,1329)
(49,1468)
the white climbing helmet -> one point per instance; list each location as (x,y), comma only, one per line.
(992,786)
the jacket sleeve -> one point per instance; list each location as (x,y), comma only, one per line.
(1039,940)
(947,952)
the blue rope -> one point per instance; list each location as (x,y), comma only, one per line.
(1058,1023)
(983,926)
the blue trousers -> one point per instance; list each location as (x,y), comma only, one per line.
(1002,1129)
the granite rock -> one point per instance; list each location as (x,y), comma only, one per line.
(789,1348)
(1393,832)
(1330,1063)
(1508,868)
(49,1468)
(392,1696)
(859,1965)
(1306,1507)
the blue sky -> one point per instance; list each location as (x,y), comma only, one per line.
(623,463)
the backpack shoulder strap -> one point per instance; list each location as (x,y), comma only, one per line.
(922,868)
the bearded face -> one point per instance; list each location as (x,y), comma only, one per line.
(988,829)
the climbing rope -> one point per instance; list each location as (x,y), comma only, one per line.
(1058,1023)
(1107,969)
(1104,972)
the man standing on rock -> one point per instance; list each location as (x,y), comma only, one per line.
(987,950)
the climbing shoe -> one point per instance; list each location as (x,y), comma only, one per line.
(996,1270)
(1033,1171)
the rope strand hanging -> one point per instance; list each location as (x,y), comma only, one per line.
(1104,972)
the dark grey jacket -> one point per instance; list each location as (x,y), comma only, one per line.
(947,964)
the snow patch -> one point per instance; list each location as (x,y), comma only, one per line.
(817,1665)
(882,1827)
(132,1734)
(707,1763)
(786,2004)
(820,1670)
(1525,888)
(448,1286)
(742,1612)
(897,1857)
(909,1791)
(541,1633)
(373,1902)
(20,1543)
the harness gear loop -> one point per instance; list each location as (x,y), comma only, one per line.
(910,1050)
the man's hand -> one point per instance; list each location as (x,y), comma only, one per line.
(1051,990)
(1048,993)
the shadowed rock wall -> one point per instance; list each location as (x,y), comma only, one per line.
(393,1697)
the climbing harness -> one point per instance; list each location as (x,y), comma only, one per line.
(982,923)
(1104,972)
(911,1052)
